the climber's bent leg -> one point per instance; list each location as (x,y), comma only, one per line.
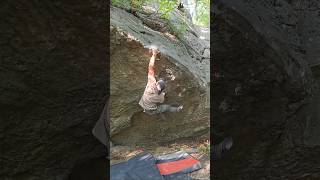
(164,108)
(168,108)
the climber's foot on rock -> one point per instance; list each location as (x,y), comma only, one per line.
(180,108)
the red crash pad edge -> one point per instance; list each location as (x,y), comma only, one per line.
(176,166)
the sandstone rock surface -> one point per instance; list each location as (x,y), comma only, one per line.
(182,60)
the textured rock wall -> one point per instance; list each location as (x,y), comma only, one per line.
(129,67)
(186,56)
(294,22)
(53,86)
(260,80)
(308,28)
(176,50)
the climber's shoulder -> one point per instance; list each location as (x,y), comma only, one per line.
(151,79)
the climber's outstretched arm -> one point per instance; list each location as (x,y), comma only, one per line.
(151,63)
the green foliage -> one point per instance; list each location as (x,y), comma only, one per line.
(202,17)
(119,3)
(179,29)
(204,148)
(166,7)
(136,4)
(203,13)
(164,10)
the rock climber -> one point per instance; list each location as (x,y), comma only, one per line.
(154,92)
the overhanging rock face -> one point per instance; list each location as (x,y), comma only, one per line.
(175,50)
(187,60)
(129,69)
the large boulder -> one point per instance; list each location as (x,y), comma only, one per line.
(189,84)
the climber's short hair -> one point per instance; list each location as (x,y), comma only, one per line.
(162,85)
